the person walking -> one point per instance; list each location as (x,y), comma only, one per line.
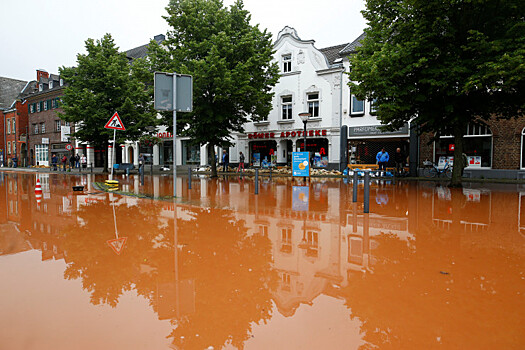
(71,161)
(64,161)
(54,162)
(83,161)
(399,159)
(142,160)
(225,161)
(382,158)
(241,162)
(15,161)
(77,160)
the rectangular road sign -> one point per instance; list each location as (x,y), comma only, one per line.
(164,92)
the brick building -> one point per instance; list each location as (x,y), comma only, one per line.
(494,150)
(48,134)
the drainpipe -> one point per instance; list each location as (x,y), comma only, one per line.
(5,143)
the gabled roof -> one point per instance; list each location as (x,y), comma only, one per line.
(9,91)
(332,52)
(350,48)
(142,51)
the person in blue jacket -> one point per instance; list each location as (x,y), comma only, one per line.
(382,158)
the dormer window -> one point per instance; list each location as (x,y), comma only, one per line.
(287,63)
(61,81)
(40,87)
(51,84)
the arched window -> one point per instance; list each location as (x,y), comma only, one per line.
(522,165)
(477,145)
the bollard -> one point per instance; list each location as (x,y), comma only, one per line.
(91,168)
(270,173)
(354,194)
(256,181)
(151,168)
(189,178)
(127,171)
(141,171)
(367,192)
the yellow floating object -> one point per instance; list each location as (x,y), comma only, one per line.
(112,182)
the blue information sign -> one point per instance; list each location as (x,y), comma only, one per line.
(300,198)
(301,164)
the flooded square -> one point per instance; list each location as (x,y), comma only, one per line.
(298,266)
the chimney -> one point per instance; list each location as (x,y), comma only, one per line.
(40,73)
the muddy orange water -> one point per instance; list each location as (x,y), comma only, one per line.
(295,267)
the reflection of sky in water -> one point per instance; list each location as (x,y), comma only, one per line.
(293,267)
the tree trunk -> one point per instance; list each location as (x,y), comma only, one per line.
(211,159)
(458,158)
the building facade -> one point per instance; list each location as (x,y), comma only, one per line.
(48,134)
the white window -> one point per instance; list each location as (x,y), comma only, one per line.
(51,84)
(41,153)
(8,147)
(14,126)
(67,124)
(45,106)
(38,106)
(57,125)
(373,106)
(31,108)
(40,87)
(287,63)
(286,103)
(313,104)
(357,106)
(43,128)
(61,81)
(8,126)
(35,128)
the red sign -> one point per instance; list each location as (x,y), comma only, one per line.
(115,123)
(451,147)
(117,244)
(286,134)
(69,147)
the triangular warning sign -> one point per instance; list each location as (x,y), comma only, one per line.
(117,244)
(115,123)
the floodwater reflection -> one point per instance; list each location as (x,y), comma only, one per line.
(298,266)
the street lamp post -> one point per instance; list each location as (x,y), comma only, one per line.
(304,117)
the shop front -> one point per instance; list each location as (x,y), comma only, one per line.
(275,147)
(366,141)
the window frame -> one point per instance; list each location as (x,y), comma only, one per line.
(287,108)
(287,62)
(311,104)
(43,128)
(357,113)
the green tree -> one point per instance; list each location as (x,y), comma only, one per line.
(442,64)
(231,64)
(102,83)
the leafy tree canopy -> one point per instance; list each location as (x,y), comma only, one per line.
(443,63)
(231,64)
(102,83)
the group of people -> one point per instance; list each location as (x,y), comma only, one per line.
(383,157)
(226,161)
(75,161)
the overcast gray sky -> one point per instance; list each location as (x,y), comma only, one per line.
(49,34)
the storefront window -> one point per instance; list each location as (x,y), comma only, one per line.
(477,145)
(41,154)
(263,153)
(191,153)
(147,152)
(166,155)
(318,149)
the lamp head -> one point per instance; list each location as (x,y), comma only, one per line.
(304,116)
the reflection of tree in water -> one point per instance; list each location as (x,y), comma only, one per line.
(233,279)
(229,268)
(104,274)
(453,291)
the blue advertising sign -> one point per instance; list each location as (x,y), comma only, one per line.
(256,159)
(301,164)
(300,198)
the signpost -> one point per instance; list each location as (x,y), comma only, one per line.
(173,92)
(301,164)
(114,123)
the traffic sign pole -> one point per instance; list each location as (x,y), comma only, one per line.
(174,135)
(113,154)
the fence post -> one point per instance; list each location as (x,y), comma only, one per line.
(189,177)
(367,192)
(354,194)
(256,181)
